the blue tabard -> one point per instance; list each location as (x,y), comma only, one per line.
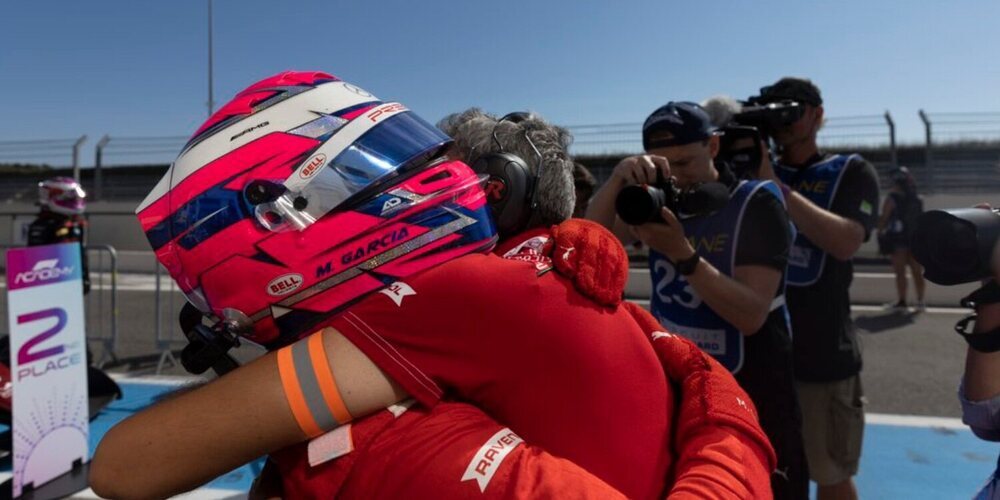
(674,301)
(818,183)
(991,490)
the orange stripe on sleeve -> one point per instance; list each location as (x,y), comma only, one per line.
(293,393)
(327,383)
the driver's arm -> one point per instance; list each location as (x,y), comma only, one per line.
(228,422)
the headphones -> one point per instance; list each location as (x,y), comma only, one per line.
(510,189)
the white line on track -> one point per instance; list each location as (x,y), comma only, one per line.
(859,308)
(199,494)
(914,421)
(870,418)
(177,380)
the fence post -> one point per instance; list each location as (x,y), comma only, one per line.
(76,156)
(98,161)
(892,139)
(928,146)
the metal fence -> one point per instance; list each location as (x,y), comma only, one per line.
(168,334)
(112,151)
(52,152)
(626,138)
(960,153)
(957,147)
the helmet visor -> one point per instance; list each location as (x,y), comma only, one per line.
(356,159)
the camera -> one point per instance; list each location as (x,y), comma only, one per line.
(742,148)
(639,204)
(768,117)
(749,129)
(956,246)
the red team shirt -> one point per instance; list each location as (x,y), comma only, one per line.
(574,378)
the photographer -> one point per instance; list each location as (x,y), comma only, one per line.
(979,392)
(900,211)
(960,246)
(718,275)
(832,200)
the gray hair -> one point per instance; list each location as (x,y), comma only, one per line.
(555,194)
(721,109)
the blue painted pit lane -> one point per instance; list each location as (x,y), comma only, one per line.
(903,456)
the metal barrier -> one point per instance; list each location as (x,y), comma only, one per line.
(619,139)
(100,305)
(168,336)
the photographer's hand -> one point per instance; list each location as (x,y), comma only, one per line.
(744,299)
(668,239)
(639,169)
(766,170)
(982,369)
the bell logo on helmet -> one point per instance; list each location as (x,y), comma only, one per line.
(313,166)
(284,284)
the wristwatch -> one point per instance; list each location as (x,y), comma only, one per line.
(687,266)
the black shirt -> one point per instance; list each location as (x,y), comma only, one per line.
(826,344)
(765,239)
(766,375)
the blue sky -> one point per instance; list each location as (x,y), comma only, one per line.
(139,68)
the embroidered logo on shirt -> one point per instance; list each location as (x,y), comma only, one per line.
(532,251)
(489,457)
(397,291)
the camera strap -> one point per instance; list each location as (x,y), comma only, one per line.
(983,341)
(986,294)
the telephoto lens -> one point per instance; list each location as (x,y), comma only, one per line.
(956,246)
(639,204)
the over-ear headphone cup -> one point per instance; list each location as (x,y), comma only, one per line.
(508,190)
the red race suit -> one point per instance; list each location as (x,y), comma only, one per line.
(536,336)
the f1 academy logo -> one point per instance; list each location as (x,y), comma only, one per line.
(44,270)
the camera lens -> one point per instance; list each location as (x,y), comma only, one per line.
(640,204)
(955,246)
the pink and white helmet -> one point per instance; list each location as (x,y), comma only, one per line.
(302,195)
(62,195)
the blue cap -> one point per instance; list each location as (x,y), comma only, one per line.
(676,124)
